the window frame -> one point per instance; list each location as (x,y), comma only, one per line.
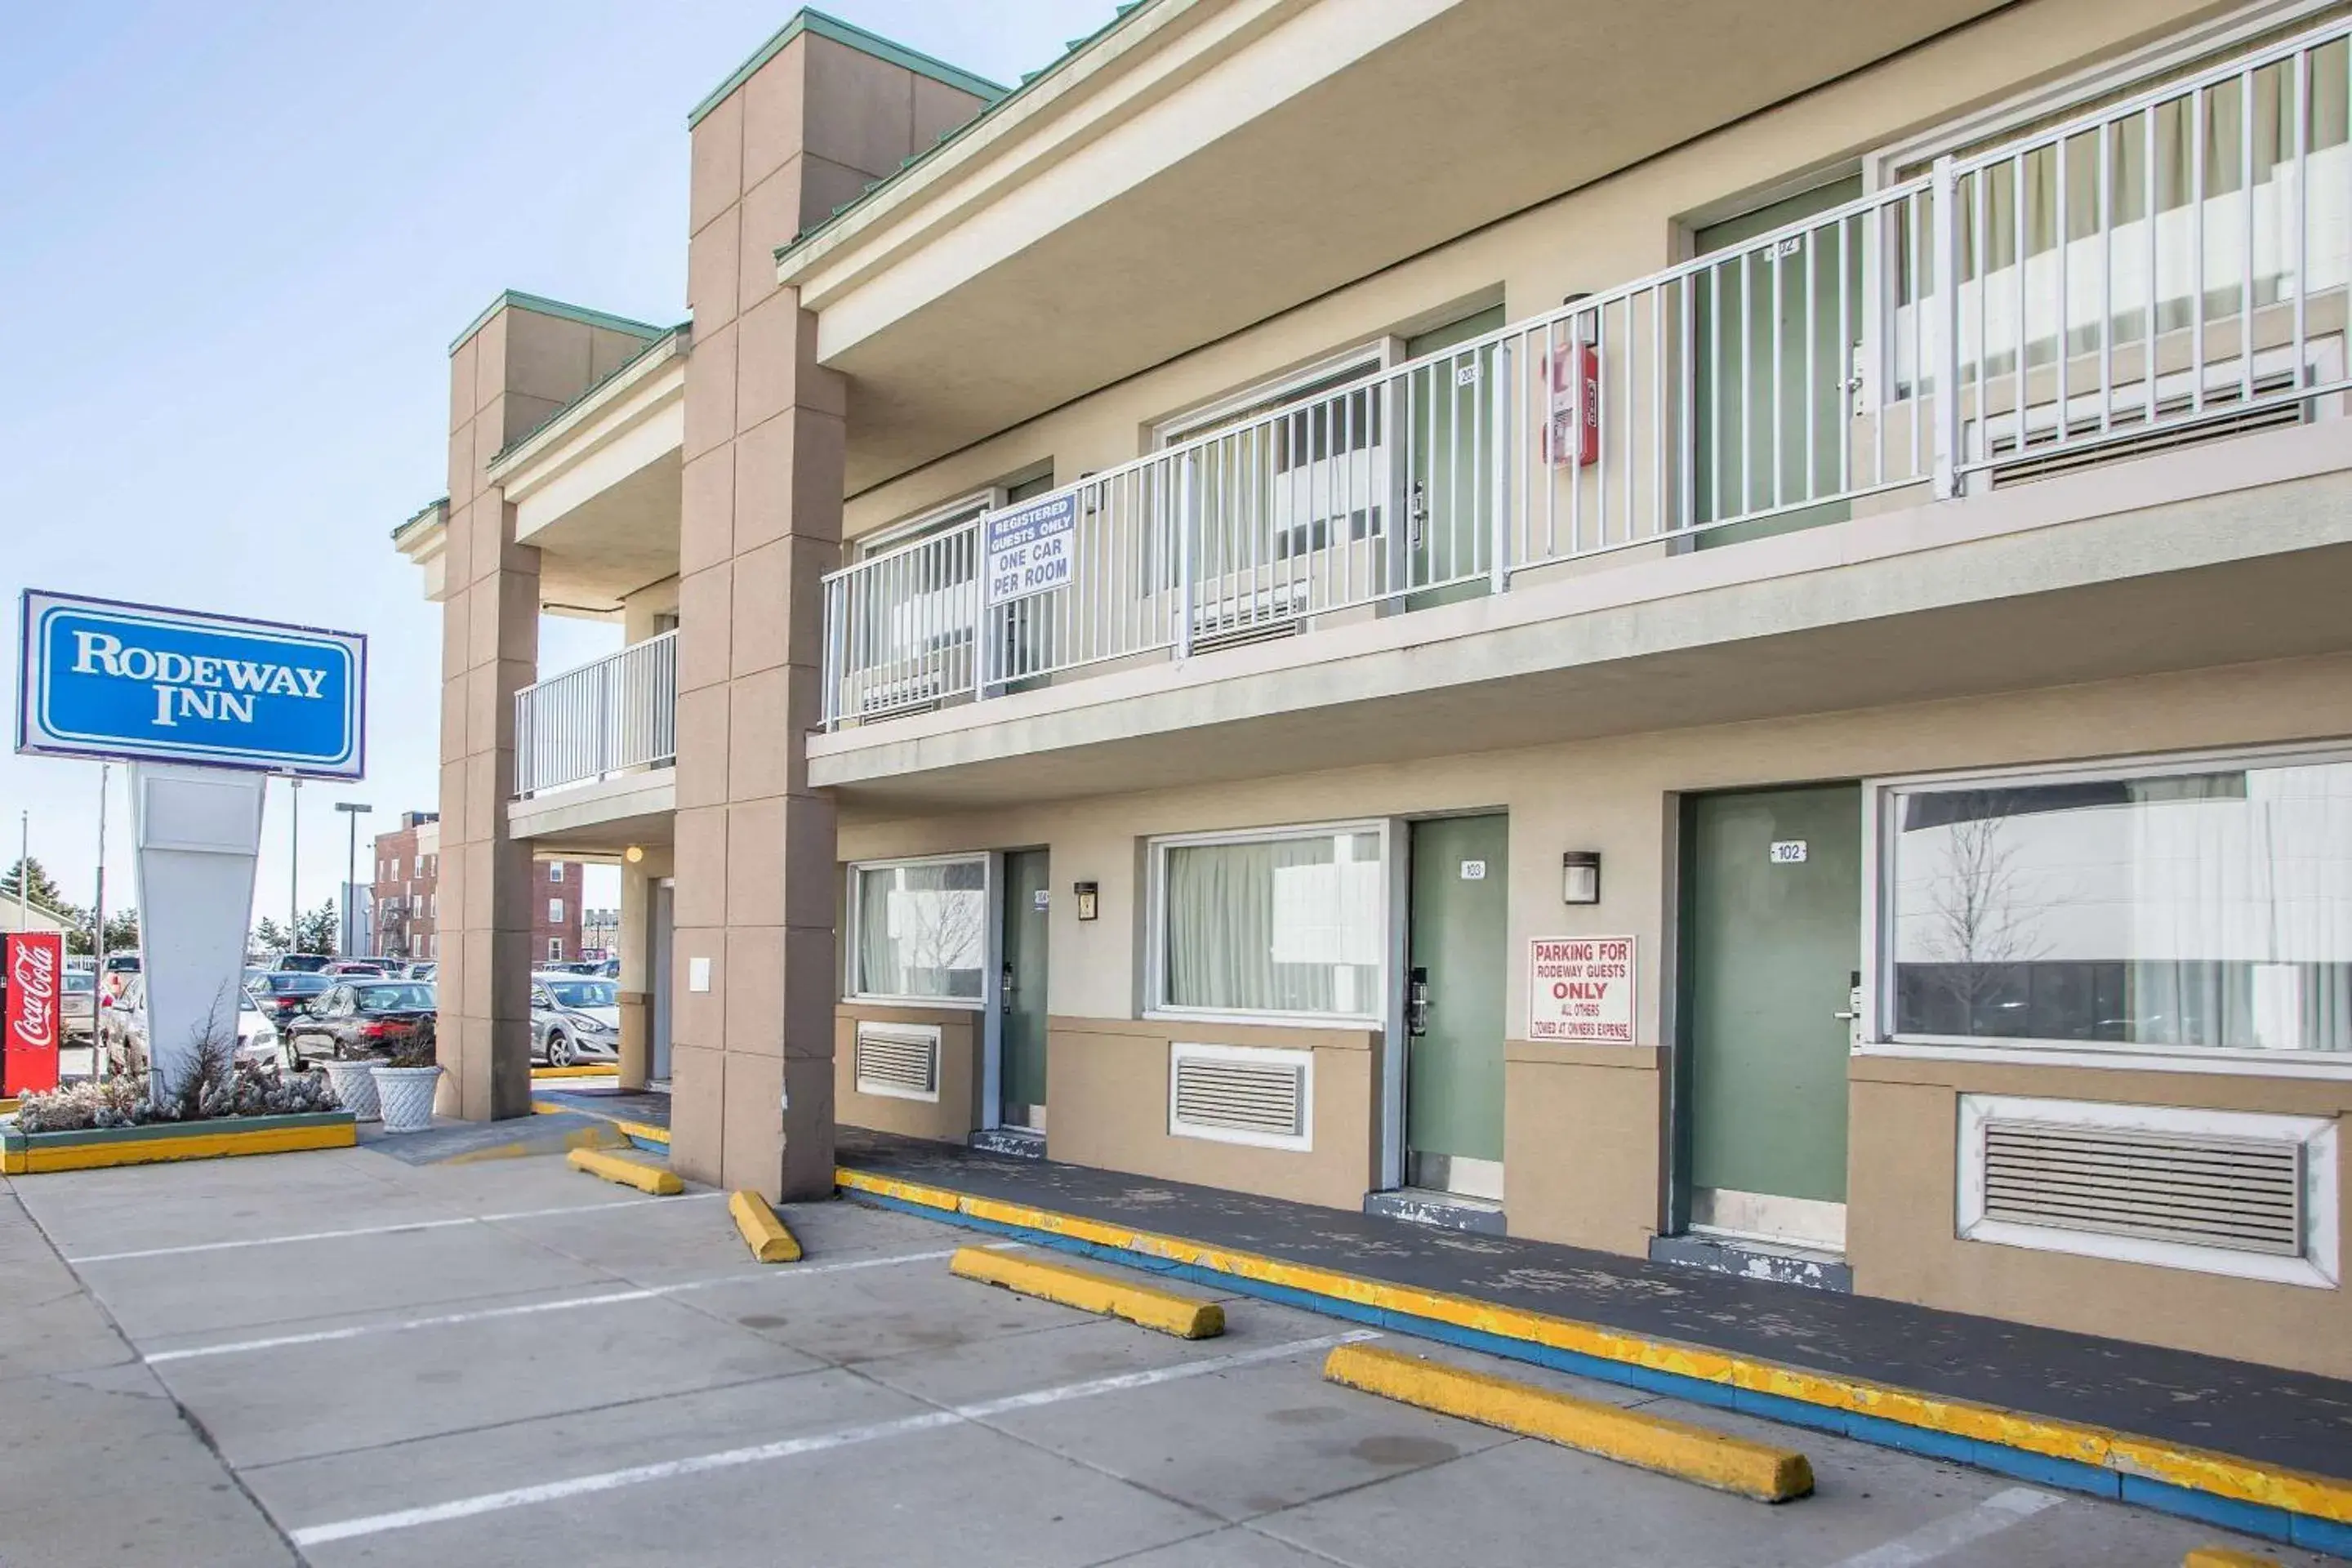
(1155,1005)
(950,513)
(1268,395)
(853,895)
(1881,799)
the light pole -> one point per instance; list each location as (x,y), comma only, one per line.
(23,868)
(98,997)
(352,811)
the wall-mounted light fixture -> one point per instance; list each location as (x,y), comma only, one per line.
(1579,877)
(633,854)
(1089,899)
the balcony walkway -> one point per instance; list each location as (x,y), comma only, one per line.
(2250,1447)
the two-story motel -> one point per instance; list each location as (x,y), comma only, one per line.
(1706,632)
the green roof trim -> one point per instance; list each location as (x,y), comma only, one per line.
(856,38)
(1071,51)
(420,514)
(561,312)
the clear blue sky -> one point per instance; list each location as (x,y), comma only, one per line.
(236,240)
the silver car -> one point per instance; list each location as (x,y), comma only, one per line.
(575,1018)
(124,1030)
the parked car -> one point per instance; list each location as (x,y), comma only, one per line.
(120,968)
(302,962)
(361,1017)
(125,1029)
(360,967)
(575,1017)
(423,970)
(78,1009)
(283,994)
(576,967)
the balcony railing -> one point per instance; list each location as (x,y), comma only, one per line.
(2164,266)
(608,717)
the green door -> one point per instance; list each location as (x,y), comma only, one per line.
(1022,1044)
(1454,1044)
(1771,943)
(1773,334)
(1452,441)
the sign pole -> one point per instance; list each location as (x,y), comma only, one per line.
(98,938)
(294,869)
(23,868)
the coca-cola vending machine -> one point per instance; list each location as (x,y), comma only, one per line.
(33,1023)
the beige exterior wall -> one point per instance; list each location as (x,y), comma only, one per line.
(1609,232)
(1586,1127)
(1107,1105)
(951,1119)
(1899,1234)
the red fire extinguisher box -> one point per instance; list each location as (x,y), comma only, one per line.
(1572,433)
(32,1026)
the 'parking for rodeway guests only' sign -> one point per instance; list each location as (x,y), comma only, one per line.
(1580,988)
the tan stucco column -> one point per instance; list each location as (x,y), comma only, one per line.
(636,985)
(513,368)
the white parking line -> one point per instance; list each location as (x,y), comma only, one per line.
(379,1229)
(1990,1517)
(792,1447)
(485,1315)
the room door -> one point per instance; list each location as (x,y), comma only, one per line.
(1453,1004)
(1020,993)
(659,925)
(1771,943)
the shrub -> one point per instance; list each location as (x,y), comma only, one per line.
(220,1086)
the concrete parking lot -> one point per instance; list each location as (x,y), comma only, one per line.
(341,1358)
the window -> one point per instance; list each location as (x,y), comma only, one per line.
(919,930)
(555,871)
(554,949)
(2191,907)
(555,911)
(1290,923)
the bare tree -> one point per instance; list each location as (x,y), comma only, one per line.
(1981,934)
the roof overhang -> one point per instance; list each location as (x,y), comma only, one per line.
(1206,164)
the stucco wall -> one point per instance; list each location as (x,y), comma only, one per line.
(952,1117)
(1107,1106)
(1585,1128)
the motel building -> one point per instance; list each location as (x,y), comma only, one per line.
(1727,642)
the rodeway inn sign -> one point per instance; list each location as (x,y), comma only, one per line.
(107,679)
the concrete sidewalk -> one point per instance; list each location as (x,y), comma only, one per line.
(2258,1449)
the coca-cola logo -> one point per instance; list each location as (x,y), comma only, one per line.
(33,993)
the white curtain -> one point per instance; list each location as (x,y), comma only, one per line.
(1284,925)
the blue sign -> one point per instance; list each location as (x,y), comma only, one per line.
(1028,548)
(106,680)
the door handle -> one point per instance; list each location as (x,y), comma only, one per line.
(1416,1004)
(1004,991)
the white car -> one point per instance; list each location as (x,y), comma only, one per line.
(125,1028)
(573,1018)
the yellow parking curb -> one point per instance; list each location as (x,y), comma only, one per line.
(770,1239)
(651,1179)
(603,1069)
(1143,1305)
(1629,1436)
(2193,1469)
(2226,1557)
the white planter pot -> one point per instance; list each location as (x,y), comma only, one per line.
(405,1095)
(356,1087)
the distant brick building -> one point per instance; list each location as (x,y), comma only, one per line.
(407,900)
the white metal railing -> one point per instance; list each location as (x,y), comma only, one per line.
(2007,310)
(613,714)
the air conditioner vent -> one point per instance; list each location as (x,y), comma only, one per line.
(1240,1095)
(2242,1194)
(901,1060)
(2222,419)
